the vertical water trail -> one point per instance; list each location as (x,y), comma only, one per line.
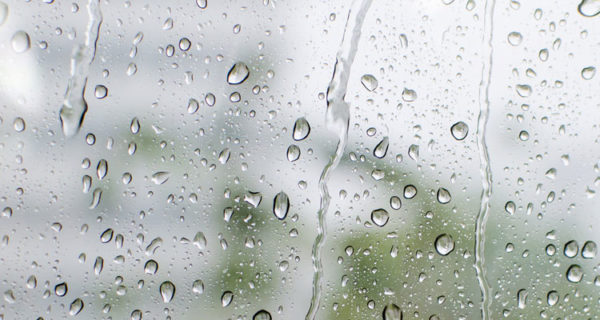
(74,105)
(486,174)
(337,120)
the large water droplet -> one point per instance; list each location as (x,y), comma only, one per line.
(443,196)
(167,291)
(107,235)
(262,315)
(160,177)
(98,265)
(524,90)
(293,153)
(522,298)
(392,312)
(226,298)
(281,205)
(395,202)
(444,244)
(20,41)
(301,129)
(515,38)
(510,207)
(102,169)
(589,250)
(410,191)
(238,73)
(588,73)
(574,273)
(150,267)
(589,8)
(380,217)
(253,198)
(571,249)
(136,315)
(76,307)
(459,130)
(552,298)
(369,82)
(381,149)
(199,240)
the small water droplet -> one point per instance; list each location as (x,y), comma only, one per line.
(574,273)
(413,152)
(98,265)
(193,106)
(301,129)
(443,196)
(226,298)
(444,244)
(107,235)
(134,127)
(167,291)
(136,315)
(524,90)
(380,217)
(19,124)
(185,44)
(102,169)
(522,298)
(589,8)
(369,82)
(543,54)
(238,73)
(199,240)
(510,207)
(409,95)
(224,155)
(459,130)
(150,267)
(524,135)
(395,202)
(202,4)
(253,198)
(76,307)
(168,24)
(131,69)
(571,249)
(281,205)
(552,298)
(20,41)
(100,92)
(198,287)
(210,99)
(588,73)
(3,12)
(381,149)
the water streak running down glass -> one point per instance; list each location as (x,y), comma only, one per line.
(278,159)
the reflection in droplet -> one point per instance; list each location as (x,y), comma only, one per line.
(226,298)
(202,4)
(19,124)
(589,8)
(98,265)
(100,92)
(409,95)
(444,244)
(20,41)
(160,177)
(369,82)
(61,289)
(185,44)
(150,267)
(574,273)
(107,235)
(293,153)
(281,205)
(193,106)
(210,99)
(524,90)
(510,207)
(515,38)
(552,298)
(238,73)
(459,130)
(588,73)
(253,198)
(395,202)
(76,307)
(301,129)
(102,169)
(380,217)
(522,298)
(571,249)
(167,291)
(543,54)
(198,287)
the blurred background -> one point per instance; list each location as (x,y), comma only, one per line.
(191,189)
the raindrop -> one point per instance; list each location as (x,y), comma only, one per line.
(3,12)
(571,249)
(98,265)
(226,298)
(107,235)
(293,153)
(136,315)
(409,95)
(281,205)
(403,41)
(185,44)
(100,92)
(589,250)
(193,106)
(19,124)
(238,73)
(160,177)
(392,312)
(552,298)
(381,149)
(459,130)
(198,287)
(76,307)
(410,191)
(543,54)
(199,240)
(523,135)
(262,315)
(301,129)
(210,99)
(202,4)
(524,90)
(443,196)
(134,127)
(61,289)
(253,198)
(369,82)
(395,202)
(167,291)
(413,152)
(150,267)
(510,207)
(589,8)
(515,38)
(131,69)
(522,298)
(574,273)
(168,24)
(588,73)
(380,217)
(102,169)
(444,244)
(20,41)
